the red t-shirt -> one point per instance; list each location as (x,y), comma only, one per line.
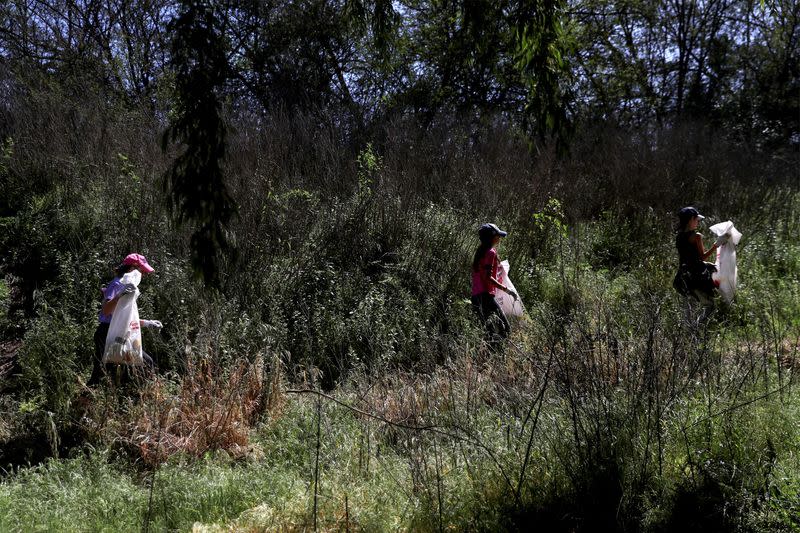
(487,267)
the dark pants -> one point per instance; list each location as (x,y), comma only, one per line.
(98,371)
(696,280)
(492,317)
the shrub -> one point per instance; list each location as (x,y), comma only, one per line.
(48,361)
(207,409)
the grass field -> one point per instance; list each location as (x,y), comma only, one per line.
(614,404)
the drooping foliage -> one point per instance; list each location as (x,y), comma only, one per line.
(196,190)
(543,47)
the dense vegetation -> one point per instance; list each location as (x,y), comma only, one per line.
(307,178)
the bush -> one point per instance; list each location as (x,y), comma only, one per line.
(212,409)
(48,361)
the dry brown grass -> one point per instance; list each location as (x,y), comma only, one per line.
(789,354)
(209,409)
(454,390)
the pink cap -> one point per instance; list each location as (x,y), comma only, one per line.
(139,262)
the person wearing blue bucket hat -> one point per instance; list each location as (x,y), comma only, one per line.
(694,276)
(485,285)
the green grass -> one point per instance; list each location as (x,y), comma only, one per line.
(273,486)
(85,494)
(651,420)
(400,484)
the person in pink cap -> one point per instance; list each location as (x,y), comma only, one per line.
(111,295)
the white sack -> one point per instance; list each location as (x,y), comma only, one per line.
(124,340)
(726,273)
(505,301)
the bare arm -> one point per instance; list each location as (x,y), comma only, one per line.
(497,284)
(492,280)
(698,242)
(110,305)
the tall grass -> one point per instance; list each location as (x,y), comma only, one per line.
(338,377)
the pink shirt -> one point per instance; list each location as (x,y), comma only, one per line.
(487,267)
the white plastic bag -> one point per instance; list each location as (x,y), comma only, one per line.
(726,274)
(124,340)
(506,302)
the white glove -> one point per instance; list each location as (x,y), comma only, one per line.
(722,239)
(152,324)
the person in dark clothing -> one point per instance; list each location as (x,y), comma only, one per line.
(111,295)
(485,284)
(694,276)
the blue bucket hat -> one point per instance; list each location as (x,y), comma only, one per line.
(487,231)
(688,213)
